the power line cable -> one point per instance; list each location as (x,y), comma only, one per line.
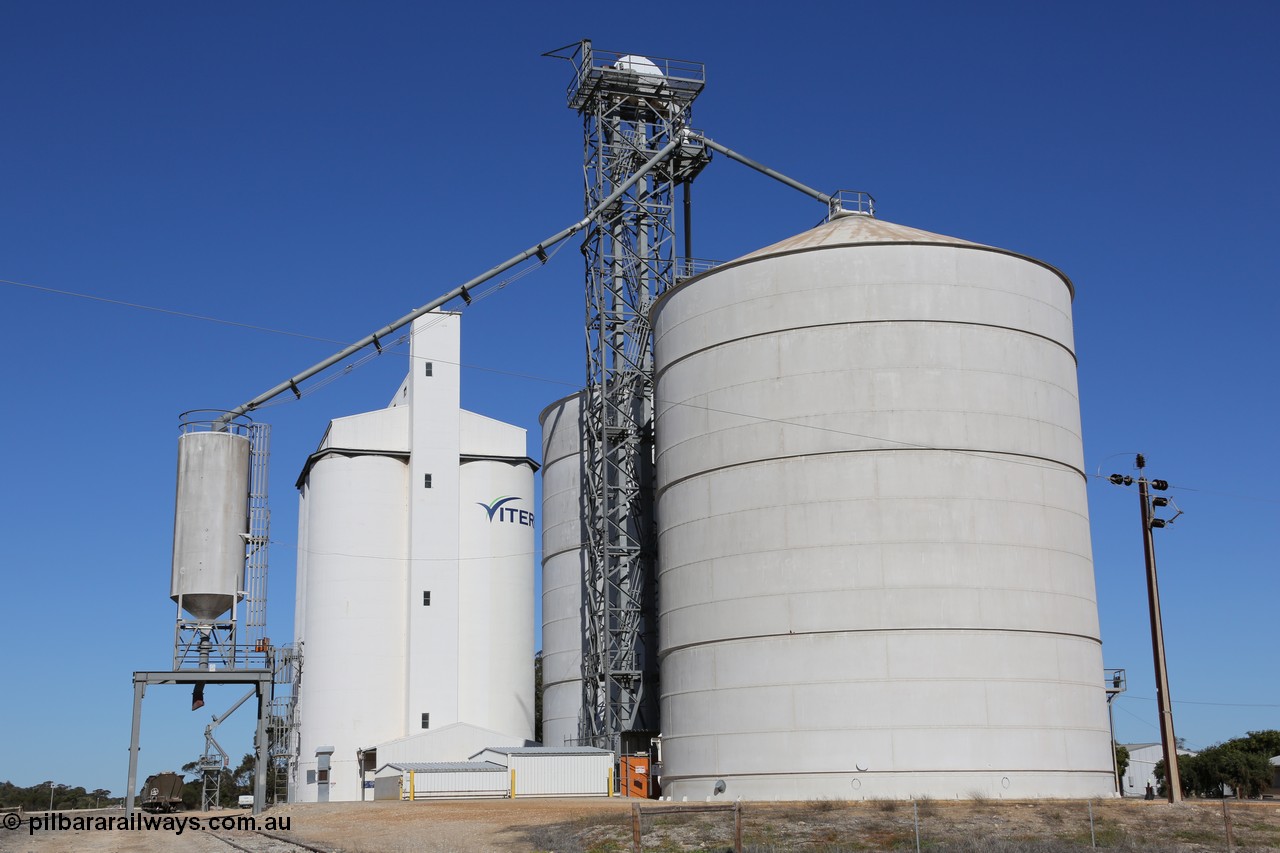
(312,388)
(172,312)
(1142,720)
(285,332)
(1255,498)
(1216,704)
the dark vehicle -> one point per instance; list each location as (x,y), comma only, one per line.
(161,793)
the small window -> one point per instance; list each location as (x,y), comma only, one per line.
(426,598)
(426,481)
(427,368)
(426,721)
(322,777)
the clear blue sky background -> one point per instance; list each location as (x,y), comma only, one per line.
(321,168)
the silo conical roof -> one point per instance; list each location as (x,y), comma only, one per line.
(863,230)
(857,230)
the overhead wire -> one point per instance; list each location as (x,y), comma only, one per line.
(285,332)
(396,346)
(170,311)
(1216,704)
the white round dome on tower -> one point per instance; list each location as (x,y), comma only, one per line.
(638,64)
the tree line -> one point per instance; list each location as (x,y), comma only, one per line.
(1242,764)
(37,797)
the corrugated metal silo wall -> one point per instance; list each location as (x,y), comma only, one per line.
(875,569)
(563,555)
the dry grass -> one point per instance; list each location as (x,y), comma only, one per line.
(884,804)
(977,825)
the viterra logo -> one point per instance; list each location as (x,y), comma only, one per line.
(507,513)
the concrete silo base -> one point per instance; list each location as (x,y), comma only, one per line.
(1013,785)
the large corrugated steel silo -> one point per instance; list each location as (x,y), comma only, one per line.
(875,572)
(563,564)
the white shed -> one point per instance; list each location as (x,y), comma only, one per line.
(1143,758)
(417,780)
(554,771)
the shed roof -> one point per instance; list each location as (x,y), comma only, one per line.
(445,766)
(545,750)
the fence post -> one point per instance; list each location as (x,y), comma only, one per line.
(915,808)
(737,827)
(1226,819)
(635,827)
(1093,836)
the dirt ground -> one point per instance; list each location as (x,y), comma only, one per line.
(604,826)
(374,827)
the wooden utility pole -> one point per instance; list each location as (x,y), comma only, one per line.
(1168,743)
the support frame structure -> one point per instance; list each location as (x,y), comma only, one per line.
(261,680)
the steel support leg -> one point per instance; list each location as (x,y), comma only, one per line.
(139,690)
(263,748)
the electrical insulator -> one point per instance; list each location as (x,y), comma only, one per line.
(1118,479)
(1159,501)
(1159,485)
(1157,522)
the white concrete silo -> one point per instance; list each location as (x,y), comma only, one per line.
(415,582)
(563,568)
(495,578)
(354,522)
(875,573)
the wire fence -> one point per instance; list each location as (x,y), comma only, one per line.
(923,824)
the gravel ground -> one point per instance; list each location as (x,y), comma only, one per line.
(574,825)
(375,827)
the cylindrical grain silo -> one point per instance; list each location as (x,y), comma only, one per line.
(875,572)
(353,677)
(564,551)
(210,517)
(495,595)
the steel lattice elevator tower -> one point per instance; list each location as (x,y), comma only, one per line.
(633,108)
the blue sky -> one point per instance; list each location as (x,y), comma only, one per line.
(320,168)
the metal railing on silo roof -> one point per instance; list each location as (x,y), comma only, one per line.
(213,420)
(689,267)
(851,203)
